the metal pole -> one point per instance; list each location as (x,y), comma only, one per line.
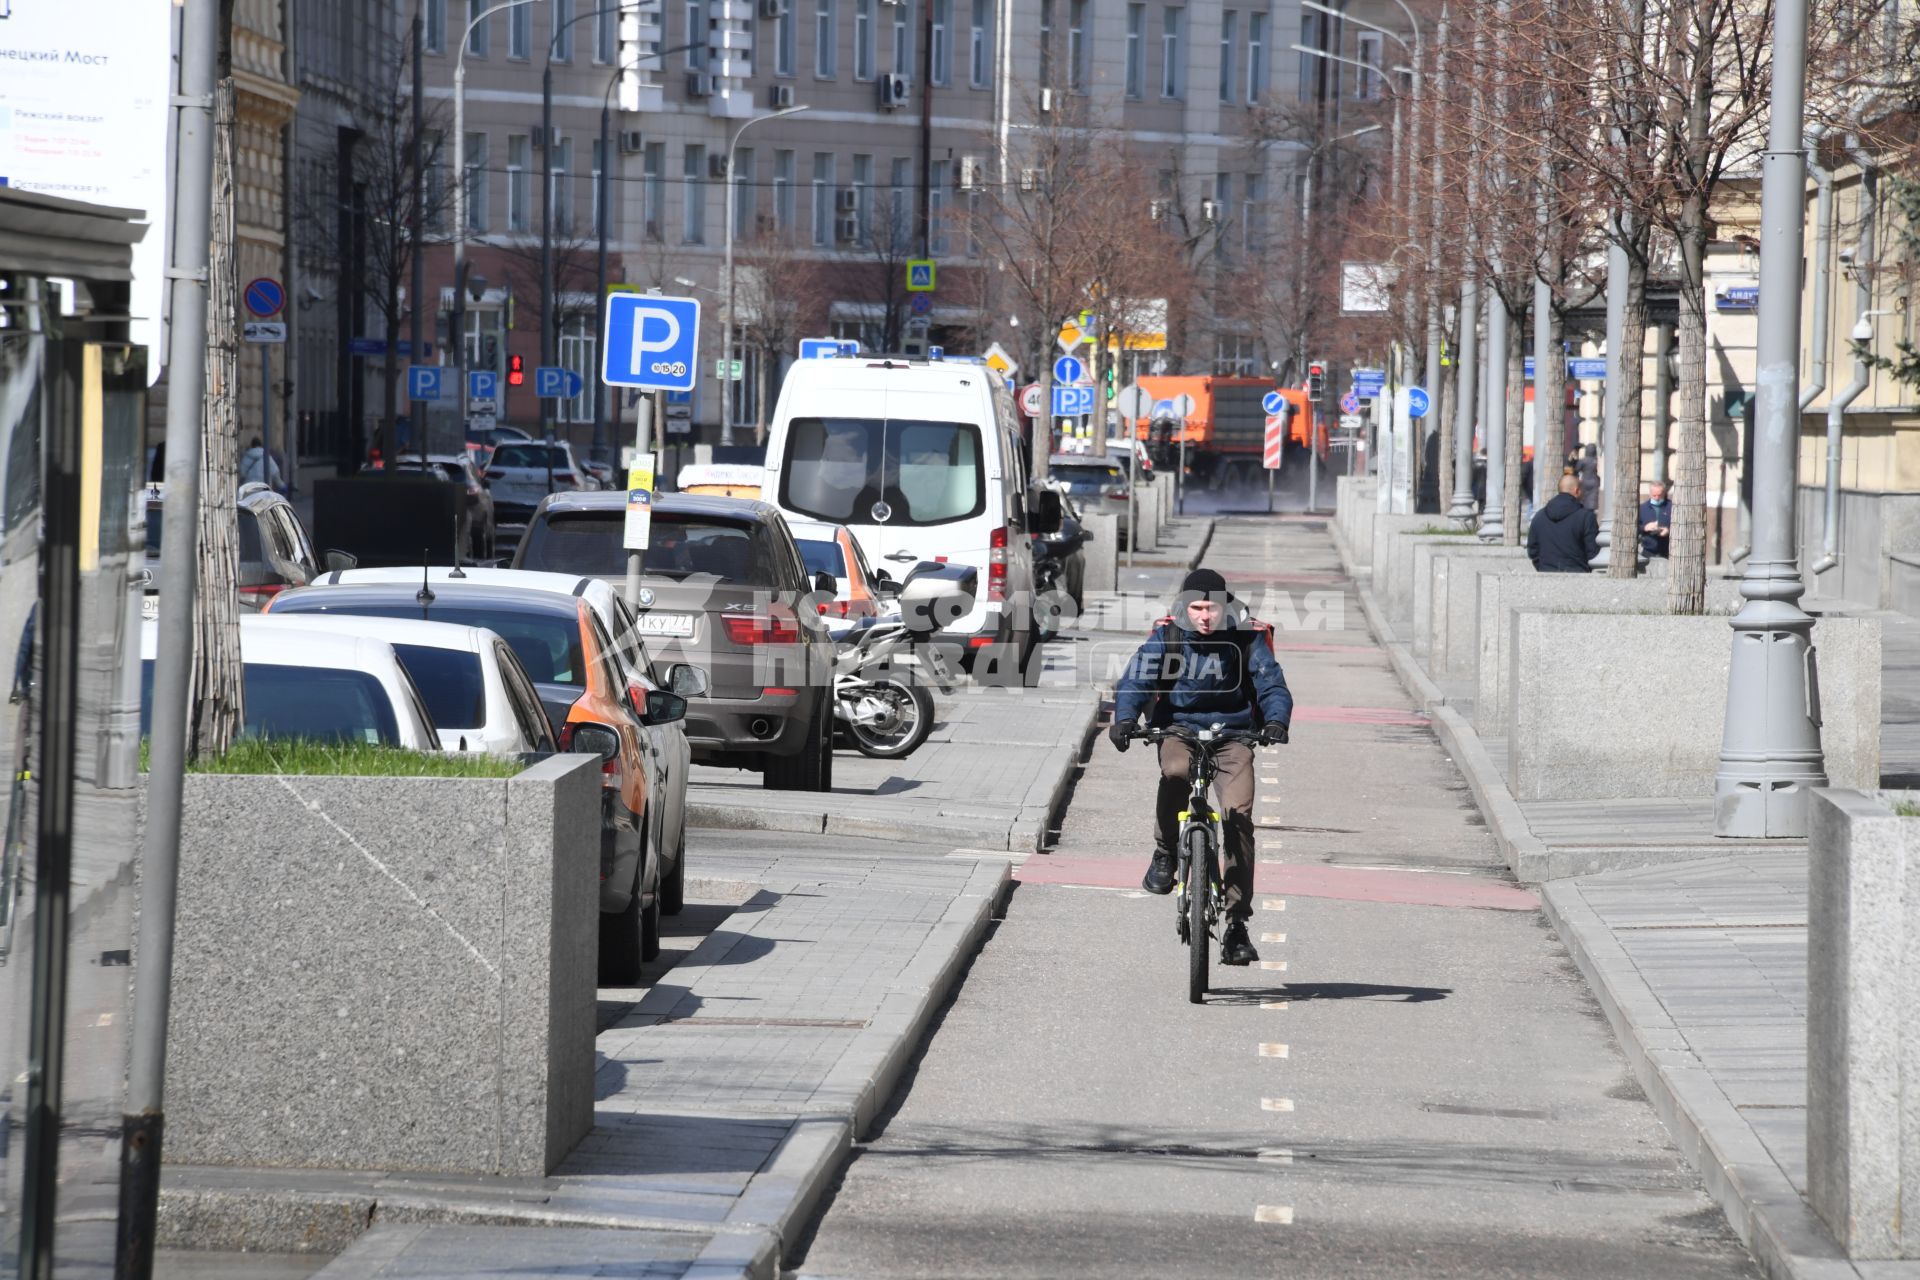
(1133,510)
(726,326)
(1466,399)
(1662,398)
(1499,321)
(416,217)
(642,442)
(1180,476)
(1770,752)
(546,217)
(602,214)
(266,413)
(144,1121)
(1615,408)
(458,336)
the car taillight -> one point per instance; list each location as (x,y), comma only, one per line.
(997,565)
(263,593)
(744,629)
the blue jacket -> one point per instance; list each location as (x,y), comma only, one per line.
(1229,678)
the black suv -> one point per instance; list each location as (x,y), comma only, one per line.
(724,588)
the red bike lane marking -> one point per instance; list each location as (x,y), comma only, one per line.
(1303,880)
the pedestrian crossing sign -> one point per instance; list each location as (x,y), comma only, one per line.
(920,275)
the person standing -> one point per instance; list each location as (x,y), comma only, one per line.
(1564,536)
(1589,477)
(1656,523)
(258,466)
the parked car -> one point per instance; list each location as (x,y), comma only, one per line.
(1095,485)
(478,531)
(302,683)
(275,549)
(572,661)
(479,695)
(832,549)
(922,461)
(522,472)
(720,479)
(723,587)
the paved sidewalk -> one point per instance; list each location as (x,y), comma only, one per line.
(727,1099)
(1699,960)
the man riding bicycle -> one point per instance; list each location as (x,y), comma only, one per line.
(1208,665)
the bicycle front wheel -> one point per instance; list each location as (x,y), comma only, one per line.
(1200,874)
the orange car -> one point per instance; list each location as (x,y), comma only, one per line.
(577,672)
(720,479)
(832,549)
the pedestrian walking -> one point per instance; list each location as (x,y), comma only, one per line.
(1656,523)
(1564,536)
(258,467)
(1588,473)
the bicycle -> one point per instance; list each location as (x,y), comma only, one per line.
(1199,841)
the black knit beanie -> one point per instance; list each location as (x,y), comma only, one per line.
(1203,582)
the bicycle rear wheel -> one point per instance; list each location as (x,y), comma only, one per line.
(1200,874)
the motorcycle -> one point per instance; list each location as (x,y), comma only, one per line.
(880,694)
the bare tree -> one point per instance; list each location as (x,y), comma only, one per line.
(778,299)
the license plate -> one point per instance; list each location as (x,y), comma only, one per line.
(665,624)
(149,606)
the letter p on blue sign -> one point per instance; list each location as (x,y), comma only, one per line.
(652,342)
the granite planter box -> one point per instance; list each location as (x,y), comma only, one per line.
(1381,528)
(1621,705)
(1355,503)
(1436,568)
(386,973)
(1396,592)
(1863,1021)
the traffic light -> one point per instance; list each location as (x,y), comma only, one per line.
(1317,381)
(1113,381)
(490,353)
(516,371)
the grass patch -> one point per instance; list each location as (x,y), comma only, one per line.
(301,756)
(1906,809)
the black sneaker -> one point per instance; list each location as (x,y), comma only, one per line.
(1159,877)
(1236,948)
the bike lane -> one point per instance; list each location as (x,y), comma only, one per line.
(1413,1082)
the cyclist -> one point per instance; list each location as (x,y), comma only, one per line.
(1209,664)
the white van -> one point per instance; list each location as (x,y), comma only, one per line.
(922,461)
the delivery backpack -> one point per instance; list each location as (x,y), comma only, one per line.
(1260,630)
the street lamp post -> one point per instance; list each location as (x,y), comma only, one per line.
(459,339)
(726,327)
(1770,754)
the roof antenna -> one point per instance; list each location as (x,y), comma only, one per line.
(425,594)
(456,550)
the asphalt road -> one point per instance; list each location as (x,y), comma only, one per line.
(1426,1090)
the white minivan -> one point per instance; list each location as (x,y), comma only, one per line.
(922,460)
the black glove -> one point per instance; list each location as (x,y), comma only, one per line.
(1273,735)
(1117,733)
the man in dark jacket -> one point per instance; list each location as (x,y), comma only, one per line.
(1208,666)
(1564,536)
(1656,523)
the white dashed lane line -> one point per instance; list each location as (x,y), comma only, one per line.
(1273,1051)
(1276,1104)
(1278,1214)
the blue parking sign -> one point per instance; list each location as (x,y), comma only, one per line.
(556,382)
(425,381)
(1072,402)
(482,384)
(652,342)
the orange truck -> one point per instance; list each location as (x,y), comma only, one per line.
(1226,433)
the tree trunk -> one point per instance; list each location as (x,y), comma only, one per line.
(1515,410)
(1687,587)
(216,694)
(1623,560)
(1549,412)
(390,387)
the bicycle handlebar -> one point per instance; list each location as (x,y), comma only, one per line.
(1183,733)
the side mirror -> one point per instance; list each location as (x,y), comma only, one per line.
(594,740)
(826,583)
(341,561)
(887,586)
(881,575)
(687,680)
(664,707)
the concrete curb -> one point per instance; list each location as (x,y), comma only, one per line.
(1759,1200)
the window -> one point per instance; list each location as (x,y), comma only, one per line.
(784,40)
(838,469)
(783,173)
(599,188)
(979,38)
(1222,202)
(1136,50)
(577,353)
(903,38)
(1172,73)
(653,189)
(1077,45)
(1253,214)
(942,43)
(1046,44)
(696,40)
(436,36)
(606,35)
(1368,83)
(863,196)
(481,38)
(561,175)
(1256,56)
(863,39)
(1309,65)
(899,201)
(740,184)
(475,162)
(520,31)
(563,25)
(434,181)
(519,152)
(823,198)
(936,210)
(826,37)
(1229,32)
(693,170)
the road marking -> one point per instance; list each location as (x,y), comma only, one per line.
(1273,1004)
(1279,1214)
(1273,1051)
(1273,937)
(1276,1155)
(1274,966)
(1273,904)
(1276,1104)
(1269,782)
(1272,862)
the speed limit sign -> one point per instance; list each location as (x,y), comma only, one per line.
(1030,399)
